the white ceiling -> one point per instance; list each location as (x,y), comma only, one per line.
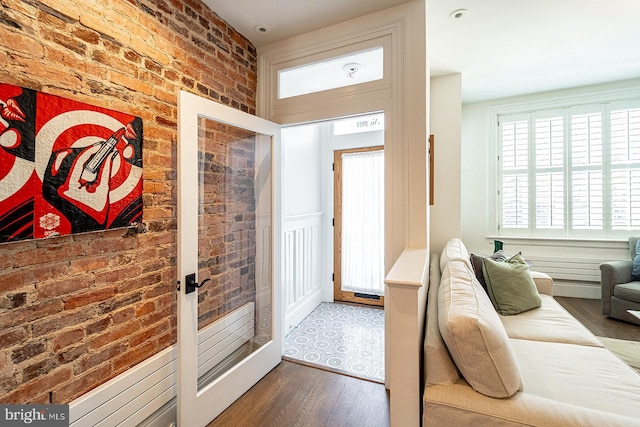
(501,47)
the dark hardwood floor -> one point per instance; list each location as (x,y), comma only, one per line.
(293,395)
(588,312)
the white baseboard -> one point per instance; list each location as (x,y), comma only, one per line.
(576,290)
(302,310)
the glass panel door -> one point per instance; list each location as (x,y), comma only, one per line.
(229,331)
(359,225)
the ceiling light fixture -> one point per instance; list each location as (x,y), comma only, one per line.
(262,29)
(458,13)
(351,68)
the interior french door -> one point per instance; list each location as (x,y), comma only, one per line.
(229,304)
(359,225)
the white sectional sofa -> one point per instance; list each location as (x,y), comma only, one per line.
(537,368)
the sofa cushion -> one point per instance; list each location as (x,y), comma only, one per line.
(439,367)
(543,282)
(477,261)
(550,322)
(628,291)
(454,250)
(579,375)
(474,334)
(459,405)
(510,286)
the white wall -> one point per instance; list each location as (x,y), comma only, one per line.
(301,170)
(445,123)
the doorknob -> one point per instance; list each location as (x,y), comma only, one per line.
(192,284)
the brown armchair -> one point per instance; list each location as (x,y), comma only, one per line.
(619,292)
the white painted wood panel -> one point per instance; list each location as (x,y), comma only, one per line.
(302,249)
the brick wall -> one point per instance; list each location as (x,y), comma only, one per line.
(227,246)
(76,311)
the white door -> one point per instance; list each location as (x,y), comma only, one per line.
(229,304)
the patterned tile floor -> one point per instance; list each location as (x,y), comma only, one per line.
(342,338)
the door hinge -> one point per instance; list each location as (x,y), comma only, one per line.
(333,277)
(333,222)
(333,166)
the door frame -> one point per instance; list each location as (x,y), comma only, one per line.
(200,407)
(405,103)
(338,293)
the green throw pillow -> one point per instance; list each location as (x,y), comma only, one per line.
(510,286)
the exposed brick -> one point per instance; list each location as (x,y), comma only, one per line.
(77,310)
(93,263)
(47,254)
(171,75)
(69,354)
(86,381)
(88,297)
(67,7)
(45,383)
(104,355)
(98,326)
(58,288)
(113,334)
(15,280)
(118,302)
(141,310)
(65,338)
(86,35)
(29,313)
(37,369)
(63,320)
(123,315)
(147,334)
(28,351)
(23,44)
(131,358)
(12,337)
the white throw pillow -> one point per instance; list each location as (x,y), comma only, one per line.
(474,335)
(439,367)
(454,250)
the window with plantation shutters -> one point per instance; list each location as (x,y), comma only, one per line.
(515,177)
(625,168)
(586,171)
(570,172)
(549,172)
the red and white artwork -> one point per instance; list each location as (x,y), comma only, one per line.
(65,166)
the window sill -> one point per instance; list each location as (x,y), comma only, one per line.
(563,241)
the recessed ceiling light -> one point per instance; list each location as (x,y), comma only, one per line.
(263,29)
(458,13)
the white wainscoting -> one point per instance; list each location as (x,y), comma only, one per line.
(133,396)
(264,263)
(302,246)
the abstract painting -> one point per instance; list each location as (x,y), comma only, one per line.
(65,166)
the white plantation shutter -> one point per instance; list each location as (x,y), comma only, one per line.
(586,171)
(625,168)
(549,163)
(570,172)
(515,178)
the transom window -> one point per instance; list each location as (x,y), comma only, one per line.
(571,171)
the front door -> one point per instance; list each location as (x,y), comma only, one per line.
(229,306)
(359,225)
